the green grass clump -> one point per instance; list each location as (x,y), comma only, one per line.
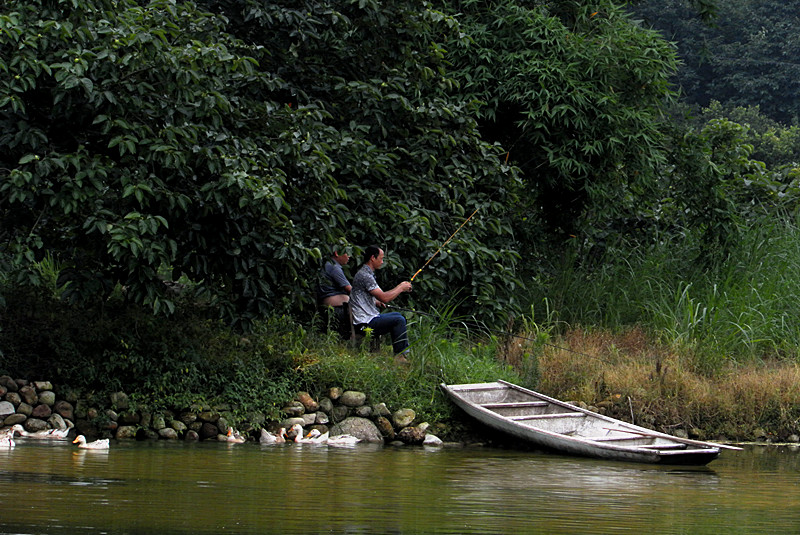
(740,308)
(441,352)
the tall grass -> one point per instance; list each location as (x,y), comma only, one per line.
(636,378)
(742,308)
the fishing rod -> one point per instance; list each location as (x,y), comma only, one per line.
(454,233)
(483,327)
(445,243)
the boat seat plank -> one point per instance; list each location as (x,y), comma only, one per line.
(554,415)
(689,451)
(515,405)
(481,387)
(616,439)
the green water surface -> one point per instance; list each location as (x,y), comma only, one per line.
(178,488)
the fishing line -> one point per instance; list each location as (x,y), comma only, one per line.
(483,327)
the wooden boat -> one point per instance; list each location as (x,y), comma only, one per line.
(559,426)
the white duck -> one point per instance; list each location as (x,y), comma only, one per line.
(59,434)
(297,431)
(7,439)
(234,437)
(50,434)
(316,437)
(343,440)
(273,438)
(101,444)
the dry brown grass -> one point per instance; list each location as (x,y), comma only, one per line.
(637,379)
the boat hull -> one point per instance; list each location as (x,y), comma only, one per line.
(554,425)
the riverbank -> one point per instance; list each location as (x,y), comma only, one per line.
(626,376)
(39,406)
(170,365)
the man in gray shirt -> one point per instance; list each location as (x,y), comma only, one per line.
(333,290)
(367,295)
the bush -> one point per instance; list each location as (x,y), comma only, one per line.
(162,362)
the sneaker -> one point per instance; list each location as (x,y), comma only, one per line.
(400,358)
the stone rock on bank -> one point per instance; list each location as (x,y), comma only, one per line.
(38,405)
(359,427)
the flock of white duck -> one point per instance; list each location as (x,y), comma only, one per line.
(295,434)
(7,438)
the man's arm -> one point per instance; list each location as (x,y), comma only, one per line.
(387,297)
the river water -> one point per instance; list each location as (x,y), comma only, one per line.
(178,488)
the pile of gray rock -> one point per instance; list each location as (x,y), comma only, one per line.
(37,407)
(348,412)
(34,405)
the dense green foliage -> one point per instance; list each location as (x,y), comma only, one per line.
(228,144)
(163,362)
(144,141)
(574,92)
(212,151)
(746,57)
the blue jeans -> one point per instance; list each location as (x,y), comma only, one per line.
(394,323)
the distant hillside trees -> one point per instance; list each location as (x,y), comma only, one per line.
(747,56)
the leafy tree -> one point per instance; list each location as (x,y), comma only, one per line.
(775,144)
(712,188)
(414,166)
(128,148)
(158,140)
(573,91)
